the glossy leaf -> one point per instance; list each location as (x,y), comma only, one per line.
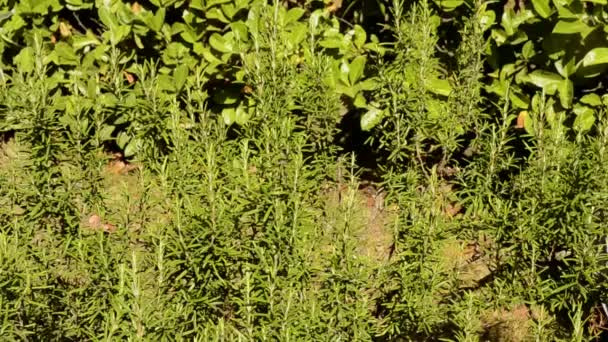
(596,56)
(549,81)
(572,27)
(179,75)
(542,7)
(592,99)
(220,44)
(132,147)
(371,118)
(585,118)
(487,19)
(229,115)
(438,86)
(566,93)
(25,60)
(356,69)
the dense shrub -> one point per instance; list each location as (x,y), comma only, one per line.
(303,170)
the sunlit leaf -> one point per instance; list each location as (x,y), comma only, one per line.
(596,56)
(357,67)
(542,7)
(371,118)
(438,86)
(585,118)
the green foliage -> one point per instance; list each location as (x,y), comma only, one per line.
(303,170)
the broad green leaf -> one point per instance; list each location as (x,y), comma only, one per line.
(510,20)
(563,11)
(518,38)
(371,118)
(360,37)
(360,101)
(592,99)
(117,34)
(549,81)
(241,115)
(65,54)
(180,73)
(80,41)
(333,42)
(294,14)
(585,118)
(15,23)
(156,22)
(220,44)
(297,34)
(240,31)
(25,60)
(542,7)
(132,147)
(487,19)
(517,97)
(572,27)
(596,56)
(357,67)
(217,14)
(566,69)
(122,140)
(438,86)
(107,100)
(230,10)
(75,5)
(42,6)
(527,50)
(107,18)
(229,115)
(343,72)
(204,51)
(211,3)
(368,84)
(105,133)
(499,36)
(450,5)
(566,93)
(6,15)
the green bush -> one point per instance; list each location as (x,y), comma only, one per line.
(303,170)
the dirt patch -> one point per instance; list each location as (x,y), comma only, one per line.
(368,218)
(10,153)
(376,237)
(508,324)
(129,202)
(598,321)
(13,160)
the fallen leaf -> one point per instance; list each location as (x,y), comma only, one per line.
(65,29)
(94,221)
(521,119)
(130,77)
(136,8)
(109,228)
(334,6)
(116,167)
(452,210)
(247,89)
